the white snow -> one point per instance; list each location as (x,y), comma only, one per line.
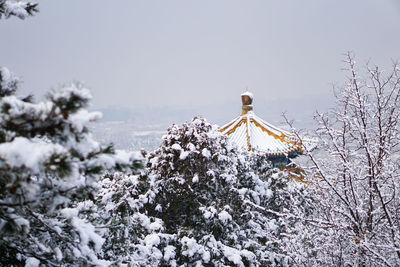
(32,262)
(224,216)
(85,146)
(21,222)
(8,79)
(233,255)
(15,8)
(206,256)
(206,153)
(67,92)
(272,225)
(154,226)
(191,147)
(195,178)
(58,253)
(81,118)
(176,147)
(87,233)
(248,254)
(247,93)
(208,212)
(191,248)
(31,154)
(152,240)
(70,213)
(158,208)
(120,157)
(169,253)
(19,108)
(183,155)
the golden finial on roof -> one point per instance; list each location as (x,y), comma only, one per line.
(247,102)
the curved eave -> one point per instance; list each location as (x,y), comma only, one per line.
(231,127)
(283,154)
(250,132)
(227,126)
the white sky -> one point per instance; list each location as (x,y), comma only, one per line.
(191,53)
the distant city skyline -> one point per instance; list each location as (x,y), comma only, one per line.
(196,53)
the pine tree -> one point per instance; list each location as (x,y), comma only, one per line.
(201,202)
(49,166)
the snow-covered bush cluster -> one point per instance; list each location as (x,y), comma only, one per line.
(49,164)
(201,202)
(198,201)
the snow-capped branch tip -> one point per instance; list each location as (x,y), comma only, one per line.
(8,82)
(71,98)
(20,9)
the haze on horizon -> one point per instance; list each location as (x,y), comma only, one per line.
(185,53)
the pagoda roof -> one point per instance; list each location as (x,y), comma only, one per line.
(250,132)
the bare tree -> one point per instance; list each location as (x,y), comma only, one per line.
(355,171)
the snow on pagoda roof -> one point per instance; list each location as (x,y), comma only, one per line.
(250,132)
(248,94)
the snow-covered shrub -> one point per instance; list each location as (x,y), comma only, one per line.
(49,166)
(201,202)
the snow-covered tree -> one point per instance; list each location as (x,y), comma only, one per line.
(20,9)
(356,171)
(49,166)
(201,202)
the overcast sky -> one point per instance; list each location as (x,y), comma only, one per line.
(189,53)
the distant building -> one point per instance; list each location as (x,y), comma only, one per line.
(254,134)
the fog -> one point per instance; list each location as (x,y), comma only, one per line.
(160,62)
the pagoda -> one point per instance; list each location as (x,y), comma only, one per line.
(250,132)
